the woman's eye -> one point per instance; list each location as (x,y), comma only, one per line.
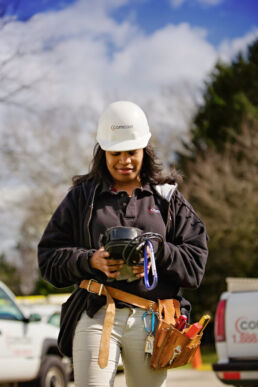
(131,153)
(115,154)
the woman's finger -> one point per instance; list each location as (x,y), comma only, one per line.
(112,274)
(139,270)
(114,262)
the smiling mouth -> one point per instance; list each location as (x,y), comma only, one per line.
(124,171)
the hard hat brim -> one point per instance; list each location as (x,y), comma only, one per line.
(125,145)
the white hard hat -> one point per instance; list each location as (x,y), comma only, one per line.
(123,126)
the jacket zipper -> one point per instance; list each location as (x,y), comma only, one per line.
(90,216)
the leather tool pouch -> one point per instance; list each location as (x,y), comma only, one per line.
(172,348)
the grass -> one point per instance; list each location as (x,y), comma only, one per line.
(208,356)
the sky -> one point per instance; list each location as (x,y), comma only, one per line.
(94,51)
(221,18)
(88,53)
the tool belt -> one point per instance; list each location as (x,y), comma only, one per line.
(172,348)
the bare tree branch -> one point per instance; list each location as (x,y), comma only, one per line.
(44,156)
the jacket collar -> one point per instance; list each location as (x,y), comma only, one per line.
(166,191)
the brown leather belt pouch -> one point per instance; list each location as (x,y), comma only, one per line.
(172,348)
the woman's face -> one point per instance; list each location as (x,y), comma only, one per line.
(125,166)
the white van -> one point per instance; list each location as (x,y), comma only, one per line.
(28,348)
(236,333)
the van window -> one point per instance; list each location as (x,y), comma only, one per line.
(8,309)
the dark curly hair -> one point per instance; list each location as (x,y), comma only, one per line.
(151,171)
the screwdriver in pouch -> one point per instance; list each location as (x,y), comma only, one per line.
(204,321)
(181,322)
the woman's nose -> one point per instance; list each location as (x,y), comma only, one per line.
(125,158)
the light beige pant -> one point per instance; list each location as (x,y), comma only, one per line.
(127,337)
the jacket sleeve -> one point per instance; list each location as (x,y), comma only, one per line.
(184,260)
(62,261)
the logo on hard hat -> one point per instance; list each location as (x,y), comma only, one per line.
(114,127)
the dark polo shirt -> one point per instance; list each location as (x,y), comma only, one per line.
(113,208)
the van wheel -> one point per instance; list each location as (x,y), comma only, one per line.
(52,373)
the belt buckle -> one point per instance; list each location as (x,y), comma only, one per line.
(89,284)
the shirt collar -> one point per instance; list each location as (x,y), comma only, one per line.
(106,188)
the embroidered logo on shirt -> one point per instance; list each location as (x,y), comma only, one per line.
(153,210)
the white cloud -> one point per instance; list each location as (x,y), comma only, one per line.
(176,3)
(83,52)
(228,49)
(210,2)
(85,57)
(179,3)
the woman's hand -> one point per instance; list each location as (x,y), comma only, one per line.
(110,267)
(139,270)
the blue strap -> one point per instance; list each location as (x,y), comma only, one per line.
(153,267)
(151,329)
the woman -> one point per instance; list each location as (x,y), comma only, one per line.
(124,187)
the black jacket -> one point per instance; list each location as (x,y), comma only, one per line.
(65,248)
